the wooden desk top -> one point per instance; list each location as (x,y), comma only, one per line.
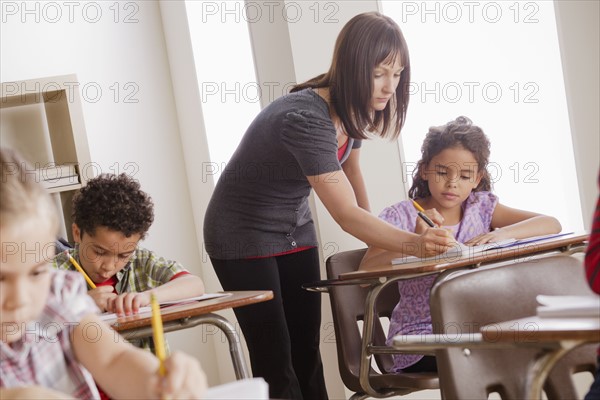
(536,329)
(517,253)
(175,312)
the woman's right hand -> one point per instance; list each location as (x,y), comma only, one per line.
(434,241)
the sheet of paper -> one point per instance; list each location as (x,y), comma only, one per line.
(458,251)
(568,306)
(205,296)
(147,309)
(245,389)
(532,239)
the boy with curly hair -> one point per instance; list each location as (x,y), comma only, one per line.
(111,214)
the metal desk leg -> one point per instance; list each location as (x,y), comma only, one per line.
(542,366)
(367,340)
(235,346)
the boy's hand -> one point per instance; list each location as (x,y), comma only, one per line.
(129,303)
(102,296)
(185,378)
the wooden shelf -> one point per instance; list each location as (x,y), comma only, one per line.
(43,120)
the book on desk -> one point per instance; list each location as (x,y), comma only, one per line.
(147,309)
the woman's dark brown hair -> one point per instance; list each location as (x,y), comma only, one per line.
(366,41)
(458,133)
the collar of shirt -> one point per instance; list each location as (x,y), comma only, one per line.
(120,274)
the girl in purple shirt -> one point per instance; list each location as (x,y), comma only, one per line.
(453,186)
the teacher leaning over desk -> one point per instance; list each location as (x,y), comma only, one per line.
(258,227)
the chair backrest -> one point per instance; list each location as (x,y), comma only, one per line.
(347,304)
(463,301)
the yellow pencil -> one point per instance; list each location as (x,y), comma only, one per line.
(421,214)
(417,206)
(157,333)
(76,264)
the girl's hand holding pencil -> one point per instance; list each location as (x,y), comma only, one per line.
(434,240)
(184,378)
(427,218)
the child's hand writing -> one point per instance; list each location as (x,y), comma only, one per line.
(184,378)
(433,214)
(103,295)
(129,303)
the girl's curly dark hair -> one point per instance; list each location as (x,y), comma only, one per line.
(115,202)
(458,133)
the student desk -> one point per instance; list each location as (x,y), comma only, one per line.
(376,279)
(555,337)
(188,315)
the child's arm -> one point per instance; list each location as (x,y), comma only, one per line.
(511,223)
(179,288)
(124,371)
(32,393)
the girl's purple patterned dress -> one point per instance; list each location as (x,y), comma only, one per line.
(411,316)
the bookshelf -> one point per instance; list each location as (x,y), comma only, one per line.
(43,120)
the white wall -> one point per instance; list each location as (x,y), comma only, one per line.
(195,156)
(138,126)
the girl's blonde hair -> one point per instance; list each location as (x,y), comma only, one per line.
(21,197)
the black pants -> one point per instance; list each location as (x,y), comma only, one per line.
(425,364)
(282,334)
(594,392)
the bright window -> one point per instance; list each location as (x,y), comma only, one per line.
(497,63)
(226,77)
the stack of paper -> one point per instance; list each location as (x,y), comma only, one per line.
(53,175)
(568,306)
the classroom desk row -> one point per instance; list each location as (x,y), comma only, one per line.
(189,315)
(376,279)
(553,337)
